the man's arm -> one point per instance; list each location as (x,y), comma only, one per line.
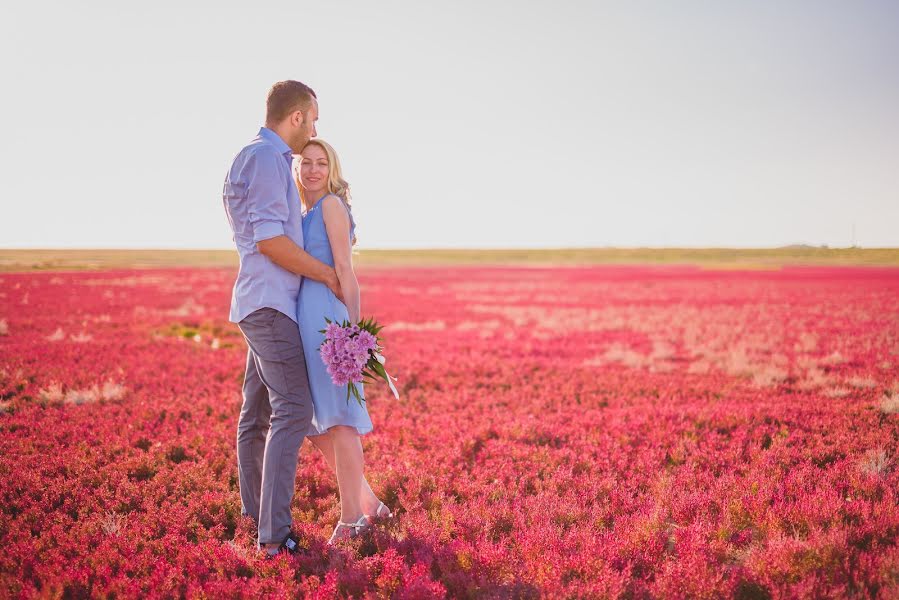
(268,210)
(286,254)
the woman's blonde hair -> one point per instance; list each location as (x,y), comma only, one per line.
(337,185)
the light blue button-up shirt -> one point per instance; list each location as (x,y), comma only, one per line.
(262,202)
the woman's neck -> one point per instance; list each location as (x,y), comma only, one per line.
(311,197)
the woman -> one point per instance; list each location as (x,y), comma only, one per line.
(337,425)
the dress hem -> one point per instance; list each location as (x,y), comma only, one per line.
(359,430)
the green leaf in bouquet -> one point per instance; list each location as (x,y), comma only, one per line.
(358,396)
(379,369)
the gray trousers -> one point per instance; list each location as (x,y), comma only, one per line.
(276,413)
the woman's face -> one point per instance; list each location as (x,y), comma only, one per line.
(314,171)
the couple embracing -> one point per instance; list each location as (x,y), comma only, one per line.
(289,209)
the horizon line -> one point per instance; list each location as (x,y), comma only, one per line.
(464,248)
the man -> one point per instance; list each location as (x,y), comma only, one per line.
(263,208)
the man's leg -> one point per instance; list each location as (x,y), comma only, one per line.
(252,429)
(275,341)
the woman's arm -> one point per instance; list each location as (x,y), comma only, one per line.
(337,224)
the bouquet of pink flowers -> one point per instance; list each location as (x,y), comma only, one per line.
(352,354)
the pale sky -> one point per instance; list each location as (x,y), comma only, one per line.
(462,124)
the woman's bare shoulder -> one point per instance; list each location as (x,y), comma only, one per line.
(331,202)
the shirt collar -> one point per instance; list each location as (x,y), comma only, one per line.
(275,140)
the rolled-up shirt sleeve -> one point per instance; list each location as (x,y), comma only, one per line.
(266,195)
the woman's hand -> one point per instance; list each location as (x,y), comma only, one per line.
(333,284)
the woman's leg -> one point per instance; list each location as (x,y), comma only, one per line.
(325,445)
(349,464)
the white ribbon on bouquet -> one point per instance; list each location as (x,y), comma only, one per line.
(383,360)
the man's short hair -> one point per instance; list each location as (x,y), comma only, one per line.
(286,97)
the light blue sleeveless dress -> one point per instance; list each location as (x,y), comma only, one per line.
(315,302)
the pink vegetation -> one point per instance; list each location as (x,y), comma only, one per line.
(638,432)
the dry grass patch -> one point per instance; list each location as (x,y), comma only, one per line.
(889,404)
(875,462)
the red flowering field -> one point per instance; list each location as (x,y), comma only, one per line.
(608,431)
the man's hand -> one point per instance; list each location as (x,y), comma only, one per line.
(282,251)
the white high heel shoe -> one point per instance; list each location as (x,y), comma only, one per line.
(354,529)
(386,514)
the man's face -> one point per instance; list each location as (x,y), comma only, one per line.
(305,129)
